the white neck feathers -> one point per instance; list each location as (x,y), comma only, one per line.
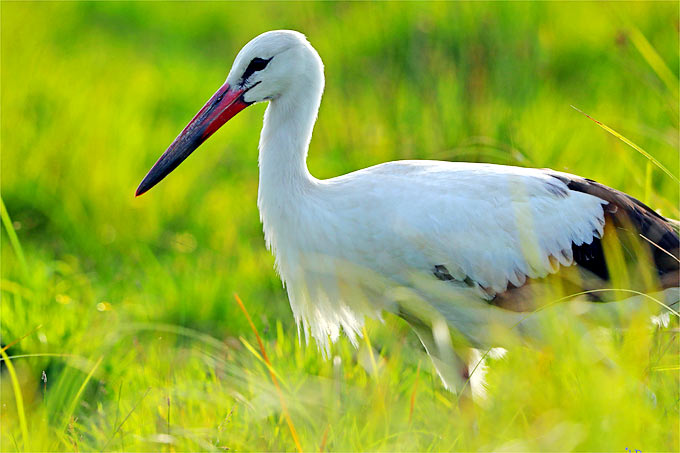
(284,141)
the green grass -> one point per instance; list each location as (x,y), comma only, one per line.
(142,343)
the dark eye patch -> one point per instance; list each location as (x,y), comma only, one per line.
(256,64)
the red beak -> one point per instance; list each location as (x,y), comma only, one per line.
(221,107)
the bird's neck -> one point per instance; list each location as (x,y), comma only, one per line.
(286,133)
(285,182)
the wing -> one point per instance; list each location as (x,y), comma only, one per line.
(493,227)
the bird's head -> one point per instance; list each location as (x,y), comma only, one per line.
(272,65)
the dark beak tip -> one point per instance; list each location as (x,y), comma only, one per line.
(143,188)
(218,110)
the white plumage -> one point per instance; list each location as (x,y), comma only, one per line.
(491,224)
(454,235)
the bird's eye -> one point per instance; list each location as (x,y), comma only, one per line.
(257,64)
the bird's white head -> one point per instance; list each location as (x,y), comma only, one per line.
(275,65)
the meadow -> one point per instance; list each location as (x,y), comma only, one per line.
(119,322)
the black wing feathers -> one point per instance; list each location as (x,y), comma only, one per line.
(624,212)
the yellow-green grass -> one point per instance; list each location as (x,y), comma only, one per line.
(144,347)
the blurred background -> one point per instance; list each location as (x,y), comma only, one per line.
(119,312)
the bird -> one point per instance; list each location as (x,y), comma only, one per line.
(447,246)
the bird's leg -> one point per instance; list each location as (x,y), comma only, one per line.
(453,366)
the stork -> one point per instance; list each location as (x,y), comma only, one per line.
(465,244)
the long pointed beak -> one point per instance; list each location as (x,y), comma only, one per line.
(221,107)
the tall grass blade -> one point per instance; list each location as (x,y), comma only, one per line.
(654,60)
(125,419)
(324,438)
(284,408)
(374,364)
(659,247)
(259,357)
(668,368)
(12,343)
(42,354)
(13,239)
(631,144)
(76,398)
(602,290)
(18,398)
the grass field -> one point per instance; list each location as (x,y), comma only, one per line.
(130,338)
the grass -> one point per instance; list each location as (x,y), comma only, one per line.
(141,342)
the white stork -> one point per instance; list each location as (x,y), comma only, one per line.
(465,240)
